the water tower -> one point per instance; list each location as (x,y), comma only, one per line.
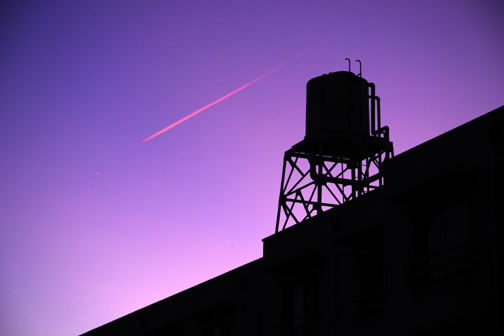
(343,152)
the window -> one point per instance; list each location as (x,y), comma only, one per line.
(371,271)
(445,231)
(368,245)
(441,246)
(371,299)
(299,307)
(298,277)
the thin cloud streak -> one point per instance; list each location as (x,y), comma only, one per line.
(227,96)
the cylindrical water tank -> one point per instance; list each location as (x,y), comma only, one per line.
(339,102)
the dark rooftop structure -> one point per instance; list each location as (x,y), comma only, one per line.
(366,243)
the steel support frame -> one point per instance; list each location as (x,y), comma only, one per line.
(327,170)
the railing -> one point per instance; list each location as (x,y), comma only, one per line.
(439,265)
(299,325)
(370,305)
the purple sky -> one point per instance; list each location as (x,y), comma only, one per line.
(95,224)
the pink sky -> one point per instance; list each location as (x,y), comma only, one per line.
(96,224)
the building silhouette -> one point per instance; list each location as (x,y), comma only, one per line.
(366,243)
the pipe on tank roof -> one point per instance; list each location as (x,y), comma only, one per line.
(349,64)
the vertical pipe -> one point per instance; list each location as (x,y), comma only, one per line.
(318,183)
(378,114)
(373,98)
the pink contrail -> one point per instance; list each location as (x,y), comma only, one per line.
(226,96)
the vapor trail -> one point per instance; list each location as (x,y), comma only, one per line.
(212,104)
(226,96)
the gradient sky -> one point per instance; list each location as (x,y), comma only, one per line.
(95,224)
